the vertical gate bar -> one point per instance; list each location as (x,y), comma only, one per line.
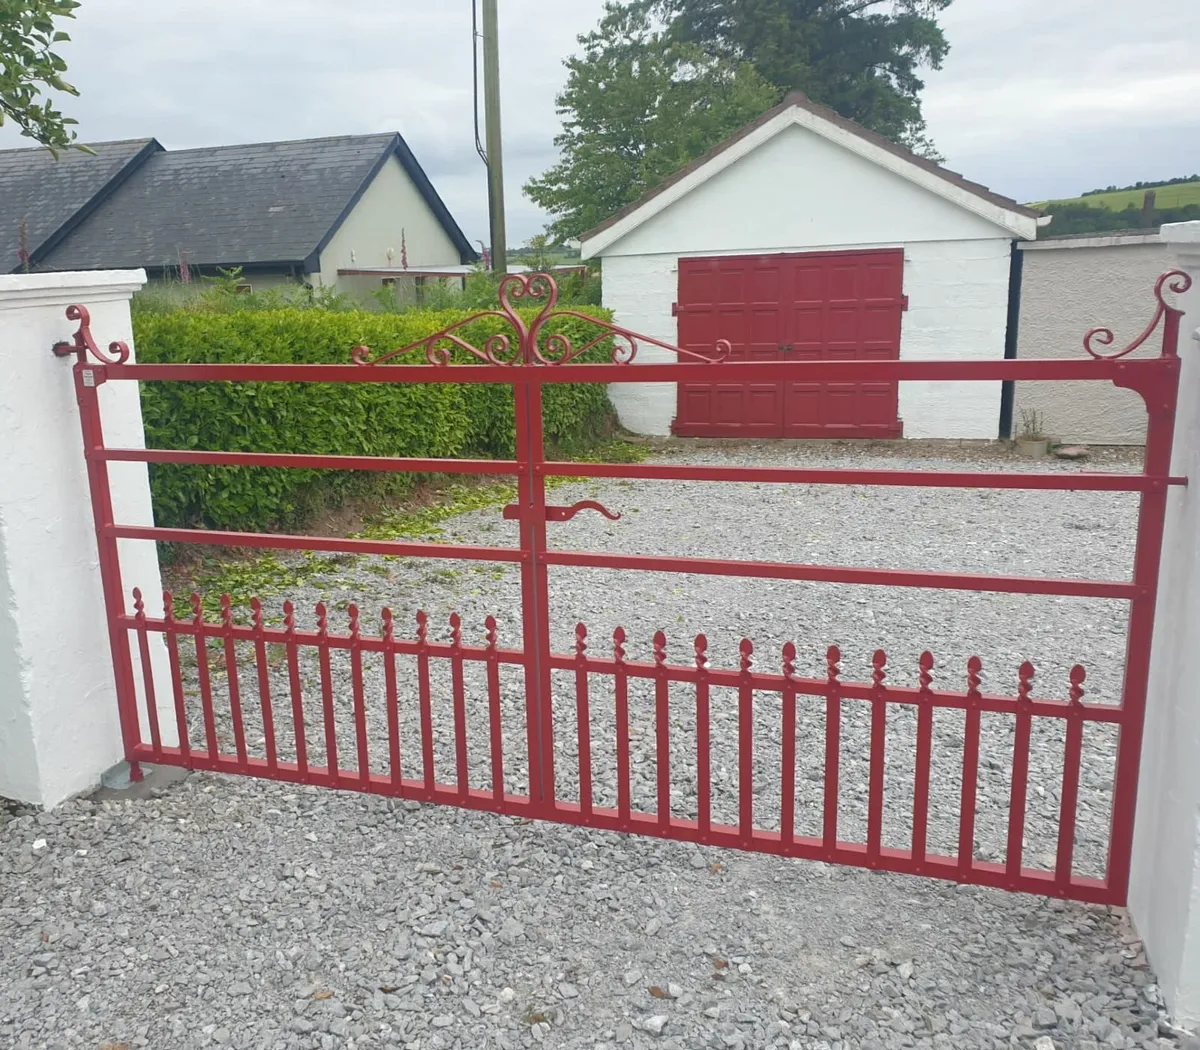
(970,775)
(1161,399)
(329,713)
(920,831)
(662,730)
(231,675)
(264,685)
(88,379)
(833,748)
(494,726)
(583,718)
(1020,775)
(787,816)
(181,719)
(392,697)
(531,500)
(139,607)
(294,687)
(746,746)
(703,742)
(621,688)
(206,700)
(360,701)
(1072,758)
(878,756)
(461,771)
(424,699)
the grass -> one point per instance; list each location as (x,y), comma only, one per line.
(1178,196)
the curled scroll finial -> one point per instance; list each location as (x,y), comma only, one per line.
(118,352)
(1175,281)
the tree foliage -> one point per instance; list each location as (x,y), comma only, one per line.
(658,82)
(638,105)
(862,58)
(29,66)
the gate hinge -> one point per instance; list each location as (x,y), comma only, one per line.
(904,304)
(676,309)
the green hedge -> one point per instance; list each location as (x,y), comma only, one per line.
(435,420)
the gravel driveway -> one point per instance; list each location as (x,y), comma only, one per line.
(228,912)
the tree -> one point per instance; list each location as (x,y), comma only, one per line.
(29,66)
(859,57)
(639,104)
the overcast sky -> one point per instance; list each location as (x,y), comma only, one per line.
(1038,98)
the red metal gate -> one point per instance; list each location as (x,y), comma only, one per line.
(527,360)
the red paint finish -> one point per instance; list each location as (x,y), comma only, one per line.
(816,307)
(232,657)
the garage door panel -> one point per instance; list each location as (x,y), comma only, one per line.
(822,305)
(842,325)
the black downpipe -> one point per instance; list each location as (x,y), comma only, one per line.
(1008,390)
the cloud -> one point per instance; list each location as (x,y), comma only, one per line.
(1038,98)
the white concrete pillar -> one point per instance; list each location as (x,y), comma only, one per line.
(59,730)
(1164,894)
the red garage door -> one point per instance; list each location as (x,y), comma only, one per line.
(830,306)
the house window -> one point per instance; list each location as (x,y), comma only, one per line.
(244,288)
(389,282)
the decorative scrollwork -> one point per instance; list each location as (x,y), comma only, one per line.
(118,352)
(534,344)
(1175,281)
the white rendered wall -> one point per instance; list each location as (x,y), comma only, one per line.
(958,310)
(59,730)
(1069,287)
(800,192)
(1164,894)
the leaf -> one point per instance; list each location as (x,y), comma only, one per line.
(657,992)
(719,963)
(323,994)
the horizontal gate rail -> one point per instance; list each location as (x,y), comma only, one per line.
(219,730)
(1124,373)
(330,544)
(763,570)
(1082,481)
(303,461)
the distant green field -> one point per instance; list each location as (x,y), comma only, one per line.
(1177,196)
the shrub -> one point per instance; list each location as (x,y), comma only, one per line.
(419,419)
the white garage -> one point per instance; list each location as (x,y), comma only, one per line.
(805,236)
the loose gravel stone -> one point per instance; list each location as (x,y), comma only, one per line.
(251,914)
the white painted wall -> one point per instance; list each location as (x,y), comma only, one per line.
(1071,285)
(59,730)
(1164,895)
(800,192)
(390,206)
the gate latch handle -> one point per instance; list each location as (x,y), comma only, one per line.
(513,511)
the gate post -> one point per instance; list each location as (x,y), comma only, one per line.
(59,725)
(1164,892)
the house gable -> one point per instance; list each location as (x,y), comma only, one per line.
(808,151)
(392,214)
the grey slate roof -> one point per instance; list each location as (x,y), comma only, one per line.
(266,204)
(48,194)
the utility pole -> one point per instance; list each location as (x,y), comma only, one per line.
(495,158)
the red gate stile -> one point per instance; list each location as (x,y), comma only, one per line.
(1160,392)
(89,376)
(216,713)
